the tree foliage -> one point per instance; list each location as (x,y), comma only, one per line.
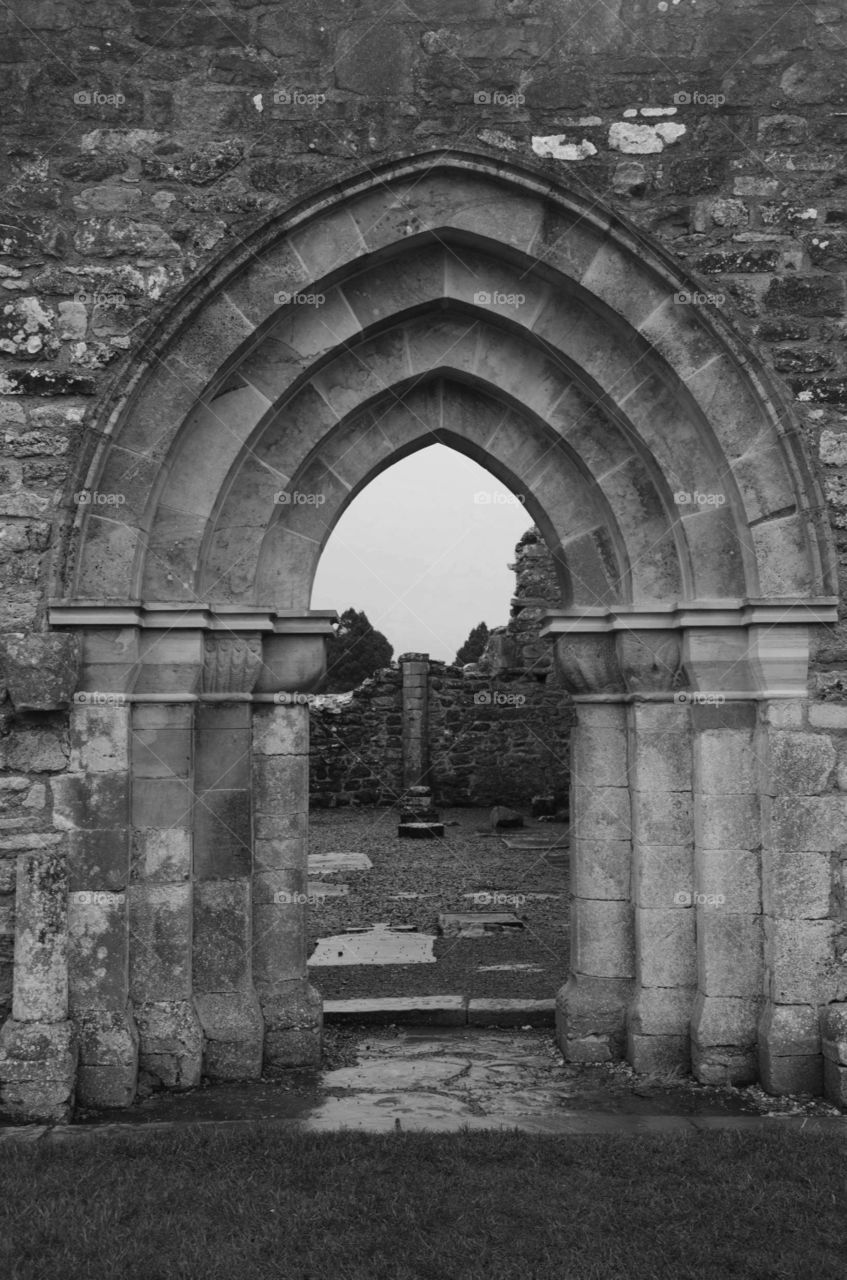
(471,650)
(355,652)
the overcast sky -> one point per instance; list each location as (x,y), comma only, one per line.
(422,558)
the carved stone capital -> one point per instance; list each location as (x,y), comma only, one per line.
(650,661)
(231,663)
(589,664)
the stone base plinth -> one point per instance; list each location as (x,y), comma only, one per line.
(591,1018)
(293,1014)
(171,1042)
(38,1071)
(108,1057)
(234,1032)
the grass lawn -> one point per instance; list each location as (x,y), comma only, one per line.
(474,1206)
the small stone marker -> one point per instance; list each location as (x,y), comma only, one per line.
(476,924)
(418,817)
(379,945)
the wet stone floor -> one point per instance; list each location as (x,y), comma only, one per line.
(449,1078)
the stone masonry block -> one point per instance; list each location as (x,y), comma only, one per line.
(727,821)
(601,869)
(293,1014)
(170,1042)
(222,835)
(796,885)
(279,942)
(661,1011)
(591,1017)
(800,961)
(806,822)
(659,872)
(279,783)
(602,942)
(665,948)
(732,875)
(160,934)
(598,756)
(161,752)
(725,762)
(601,813)
(661,762)
(662,817)
(281,731)
(40,671)
(161,802)
(98,859)
(41,938)
(222,936)
(90,801)
(800,763)
(729,953)
(38,1070)
(233,1034)
(100,739)
(97,950)
(160,855)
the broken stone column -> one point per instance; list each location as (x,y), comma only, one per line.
(224,995)
(415,668)
(160,894)
(38,1044)
(727,827)
(591,1008)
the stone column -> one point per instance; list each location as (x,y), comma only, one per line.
(415,668)
(727,827)
(662,851)
(803,839)
(292,664)
(38,1044)
(92,803)
(223,989)
(160,894)
(591,1007)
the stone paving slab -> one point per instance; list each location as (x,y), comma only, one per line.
(476,924)
(379,945)
(327,864)
(439,1011)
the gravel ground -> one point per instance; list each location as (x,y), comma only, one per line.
(470,859)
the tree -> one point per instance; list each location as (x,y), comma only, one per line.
(472,649)
(355,652)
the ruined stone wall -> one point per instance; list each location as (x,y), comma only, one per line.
(498,731)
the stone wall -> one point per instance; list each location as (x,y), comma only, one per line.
(497,731)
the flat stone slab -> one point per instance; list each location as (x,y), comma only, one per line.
(477,924)
(536,842)
(379,945)
(431,1011)
(387,1073)
(512,1013)
(420,830)
(509,968)
(327,864)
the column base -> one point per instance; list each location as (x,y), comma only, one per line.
(233,1034)
(790,1058)
(658,1053)
(591,1018)
(724,1040)
(293,1013)
(108,1057)
(170,1042)
(38,1071)
(833,1025)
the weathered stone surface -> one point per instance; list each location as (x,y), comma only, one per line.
(233,1030)
(38,1067)
(293,1024)
(170,1042)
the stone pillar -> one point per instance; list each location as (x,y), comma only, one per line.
(803,833)
(727,828)
(292,664)
(38,1044)
(291,1006)
(415,668)
(160,894)
(223,989)
(591,1007)
(92,803)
